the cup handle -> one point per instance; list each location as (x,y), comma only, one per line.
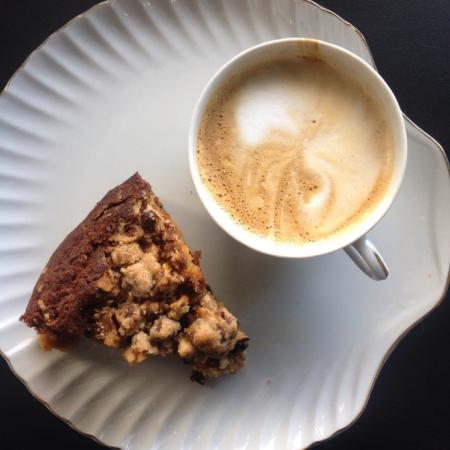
(365,255)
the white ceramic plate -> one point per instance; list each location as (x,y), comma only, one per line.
(111,93)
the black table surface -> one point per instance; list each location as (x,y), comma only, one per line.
(410,404)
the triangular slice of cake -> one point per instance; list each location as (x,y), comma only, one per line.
(126,278)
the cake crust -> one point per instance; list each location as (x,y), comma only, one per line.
(125,277)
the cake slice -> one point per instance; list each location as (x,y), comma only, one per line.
(126,278)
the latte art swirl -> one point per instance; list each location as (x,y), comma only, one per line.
(294,151)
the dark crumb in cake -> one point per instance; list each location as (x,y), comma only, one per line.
(197,377)
(126,278)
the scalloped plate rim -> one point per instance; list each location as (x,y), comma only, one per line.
(436,146)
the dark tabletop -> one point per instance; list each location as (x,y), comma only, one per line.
(410,405)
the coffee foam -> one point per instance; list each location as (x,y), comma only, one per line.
(294,151)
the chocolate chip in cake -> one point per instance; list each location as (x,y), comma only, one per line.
(240,346)
(198,377)
(149,220)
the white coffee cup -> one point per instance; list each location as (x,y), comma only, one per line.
(354,240)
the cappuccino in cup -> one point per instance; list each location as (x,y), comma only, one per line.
(294,150)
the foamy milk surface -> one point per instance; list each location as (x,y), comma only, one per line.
(294,151)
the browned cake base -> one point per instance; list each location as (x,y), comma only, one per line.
(126,278)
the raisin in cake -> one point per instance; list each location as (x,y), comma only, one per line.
(126,278)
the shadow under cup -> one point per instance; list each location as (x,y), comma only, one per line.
(352,67)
